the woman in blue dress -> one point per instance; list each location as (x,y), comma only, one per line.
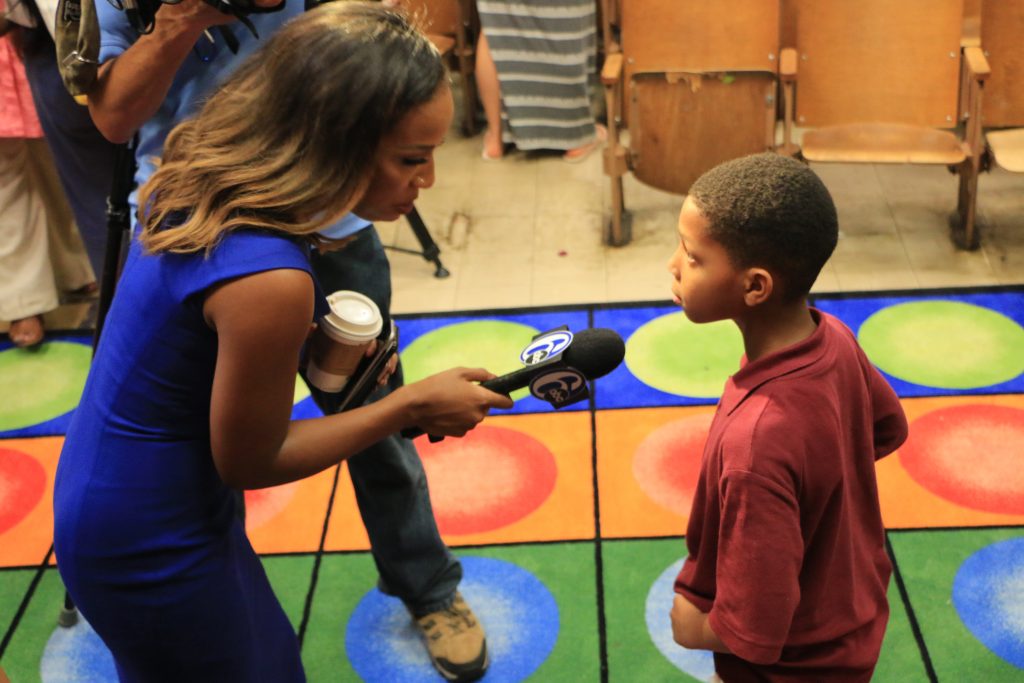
(190,393)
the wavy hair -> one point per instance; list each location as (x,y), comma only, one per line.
(288,142)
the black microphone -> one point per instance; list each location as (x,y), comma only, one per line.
(594,353)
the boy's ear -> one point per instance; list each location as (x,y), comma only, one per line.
(758,285)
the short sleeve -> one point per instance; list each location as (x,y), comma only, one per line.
(760,554)
(116,34)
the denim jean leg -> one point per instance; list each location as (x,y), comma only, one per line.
(390,485)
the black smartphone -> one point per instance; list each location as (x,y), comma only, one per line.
(364,380)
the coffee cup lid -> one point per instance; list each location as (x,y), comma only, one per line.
(353,315)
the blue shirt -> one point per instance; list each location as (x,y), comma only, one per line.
(198,76)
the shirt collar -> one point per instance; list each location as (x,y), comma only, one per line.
(750,376)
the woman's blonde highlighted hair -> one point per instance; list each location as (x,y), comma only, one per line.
(288,142)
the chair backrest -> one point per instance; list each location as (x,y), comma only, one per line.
(699,84)
(696,35)
(884,61)
(681,125)
(1002,38)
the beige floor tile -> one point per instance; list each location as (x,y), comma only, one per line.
(872,262)
(937,263)
(577,286)
(509,237)
(568,195)
(516,196)
(423,298)
(827,282)
(1003,243)
(853,181)
(497,296)
(574,233)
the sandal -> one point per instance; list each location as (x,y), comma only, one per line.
(86,292)
(579,154)
(27,332)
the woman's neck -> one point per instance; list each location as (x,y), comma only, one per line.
(769,329)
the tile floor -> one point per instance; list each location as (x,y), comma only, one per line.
(529,233)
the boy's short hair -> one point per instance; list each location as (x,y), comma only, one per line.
(771,211)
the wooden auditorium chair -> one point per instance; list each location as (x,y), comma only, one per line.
(693,83)
(879,81)
(447,23)
(1002,109)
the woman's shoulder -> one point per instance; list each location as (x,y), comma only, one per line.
(238,253)
(256,246)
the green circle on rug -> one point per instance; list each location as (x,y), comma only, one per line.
(680,357)
(944,344)
(494,345)
(301,390)
(44,383)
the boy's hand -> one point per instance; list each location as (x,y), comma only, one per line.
(690,627)
(686,622)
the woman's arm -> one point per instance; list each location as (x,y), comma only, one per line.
(261,322)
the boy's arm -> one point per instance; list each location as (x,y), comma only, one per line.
(890,421)
(690,627)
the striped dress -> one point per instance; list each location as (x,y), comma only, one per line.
(545,52)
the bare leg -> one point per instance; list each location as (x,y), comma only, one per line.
(490,97)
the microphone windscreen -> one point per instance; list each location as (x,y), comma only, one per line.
(595,352)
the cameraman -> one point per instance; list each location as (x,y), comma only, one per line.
(148,83)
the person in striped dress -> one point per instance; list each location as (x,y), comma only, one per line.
(535,69)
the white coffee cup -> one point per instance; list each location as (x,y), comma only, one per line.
(341,339)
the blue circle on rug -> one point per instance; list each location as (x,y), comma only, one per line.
(76,654)
(517,611)
(698,663)
(988,593)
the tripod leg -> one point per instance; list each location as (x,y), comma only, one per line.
(431,252)
(68,614)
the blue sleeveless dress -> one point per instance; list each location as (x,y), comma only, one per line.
(146,534)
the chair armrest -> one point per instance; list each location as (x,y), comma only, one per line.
(787,64)
(611,72)
(977,64)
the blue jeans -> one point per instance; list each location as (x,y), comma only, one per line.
(413,562)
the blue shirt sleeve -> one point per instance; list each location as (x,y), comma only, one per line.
(349,224)
(116,34)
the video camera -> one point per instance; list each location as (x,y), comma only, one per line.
(142,14)
(78,35)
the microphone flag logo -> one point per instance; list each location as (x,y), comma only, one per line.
(560,387)
(547,347)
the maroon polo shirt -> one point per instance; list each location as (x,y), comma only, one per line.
(786,544)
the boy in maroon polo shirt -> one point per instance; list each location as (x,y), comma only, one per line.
(787,570)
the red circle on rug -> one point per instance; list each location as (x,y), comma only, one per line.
(262,505)
(971,455)
(488,479)
(667,463)
(22,485)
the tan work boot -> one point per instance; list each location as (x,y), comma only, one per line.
(455,641)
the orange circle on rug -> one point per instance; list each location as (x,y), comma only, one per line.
(667,463)
(487,480)
(262,505)
(970,455)
(22,485)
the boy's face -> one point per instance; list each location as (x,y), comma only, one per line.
(705,281)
